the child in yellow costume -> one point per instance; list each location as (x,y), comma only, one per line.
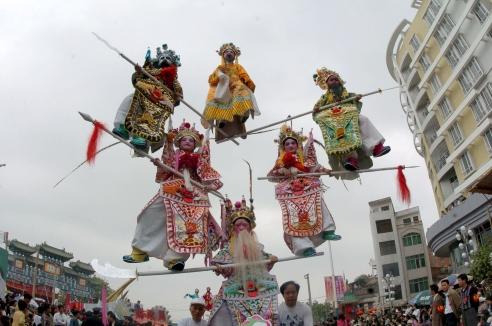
(230,99)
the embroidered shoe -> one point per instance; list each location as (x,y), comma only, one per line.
(309,252)
(178,267)
(139,143)
(132,259)
(351,164)
(330,235)
(380,150)
(122,132)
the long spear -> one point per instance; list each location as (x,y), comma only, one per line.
(335,173)
(113,272)
(324,107)
(121,54)
(99,125)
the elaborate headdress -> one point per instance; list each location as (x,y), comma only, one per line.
(321,76)
(163,54)
(231,47)
(286,132)
(239,210)
(186,129)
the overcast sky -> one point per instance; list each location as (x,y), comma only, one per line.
(52,67)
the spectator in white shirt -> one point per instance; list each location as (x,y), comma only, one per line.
(197,309)
(60,318)
(291,312)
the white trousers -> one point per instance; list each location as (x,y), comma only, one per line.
(151,233)
(122,112)
(369,134)
(299,244)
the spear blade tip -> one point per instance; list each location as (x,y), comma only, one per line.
(86,116)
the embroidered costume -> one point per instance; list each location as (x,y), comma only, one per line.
(230,99)
(350,138)
(306,220)
(177,221)
(143,114)
(248,296)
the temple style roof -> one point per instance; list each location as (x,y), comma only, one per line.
(82,267)
(53,252)
(24,248)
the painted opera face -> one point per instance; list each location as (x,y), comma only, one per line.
(187,144)
(240,225)
(290,145)
(333,81)
(229,56)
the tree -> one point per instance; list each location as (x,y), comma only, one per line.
(481,267)
(98,283)
(321,311)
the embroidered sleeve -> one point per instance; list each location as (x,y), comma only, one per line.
(321,102)
(178,91)
(357,103)
(243,75)
(213,79)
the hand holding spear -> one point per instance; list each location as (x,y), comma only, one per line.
(325,107)
(156,161)
(403,190)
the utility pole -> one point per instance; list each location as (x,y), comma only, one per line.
(35,273)
(309,289)
(333,284)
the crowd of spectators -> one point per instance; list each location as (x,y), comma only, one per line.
(25,311)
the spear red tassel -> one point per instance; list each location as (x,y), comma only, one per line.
(403,191)
(93,141)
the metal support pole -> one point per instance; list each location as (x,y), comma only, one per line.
(332,265)
(309,289)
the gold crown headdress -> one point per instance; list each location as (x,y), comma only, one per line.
(231,47)
(287,132)
(186,129)
(321,76)
(239,210)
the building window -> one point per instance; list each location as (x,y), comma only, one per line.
(398,294)
(412,239)
(444,29)
(432,11)
(384,226)
(424,62)
(470,75)
(418,284)
(441,161)
(385,208)
(416,261)
(481,12)
(445,107)
(414,41)
(488,139)
(457,50)
(456,134)
(387,248)
(482,104)
(407,221)
(435,83)
(454,182)
(415,219)
(466,163)
(391,269)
